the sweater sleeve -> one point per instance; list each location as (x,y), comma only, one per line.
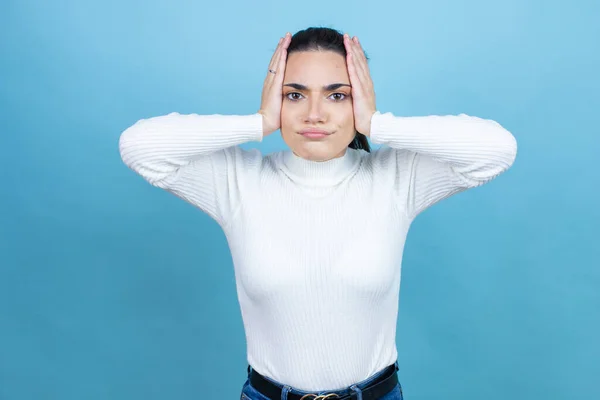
(438,156)
(195,157)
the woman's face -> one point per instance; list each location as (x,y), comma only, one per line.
(317,94)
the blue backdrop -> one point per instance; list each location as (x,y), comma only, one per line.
(112,289)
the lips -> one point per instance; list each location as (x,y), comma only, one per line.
(314,133)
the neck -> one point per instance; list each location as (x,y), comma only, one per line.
(332,158)
(320,173)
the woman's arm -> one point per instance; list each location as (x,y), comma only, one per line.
(195,157)
(438,156)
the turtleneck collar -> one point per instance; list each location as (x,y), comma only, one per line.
(320,173)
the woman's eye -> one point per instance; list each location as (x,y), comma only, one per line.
(291,96)
(343,96)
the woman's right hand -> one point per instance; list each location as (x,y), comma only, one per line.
(270,107)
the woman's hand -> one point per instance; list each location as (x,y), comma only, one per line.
(271,101)
(363,92)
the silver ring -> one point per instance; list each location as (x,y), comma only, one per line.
(271,71)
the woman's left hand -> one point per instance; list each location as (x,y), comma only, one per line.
(363,92)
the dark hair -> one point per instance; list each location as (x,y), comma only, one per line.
(326,39)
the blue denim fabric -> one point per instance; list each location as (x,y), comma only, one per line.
(250,393)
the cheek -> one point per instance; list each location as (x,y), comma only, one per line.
(288,119)
(350,114)
(347,116)
(287,115)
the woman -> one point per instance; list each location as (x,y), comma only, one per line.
(317,232)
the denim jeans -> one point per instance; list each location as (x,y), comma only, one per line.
(250,393)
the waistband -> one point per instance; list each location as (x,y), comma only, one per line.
(372,388)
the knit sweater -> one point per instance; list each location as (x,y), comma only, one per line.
(317,246)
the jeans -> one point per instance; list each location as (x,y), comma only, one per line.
(250,393)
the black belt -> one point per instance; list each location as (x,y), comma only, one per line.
(381,386)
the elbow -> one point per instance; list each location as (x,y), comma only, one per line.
(140,150)
(503,153)
(136,144)
(499,142)
(136,154)
(506,145)
(495,157)
(123,145)
(128,145)
(512,152)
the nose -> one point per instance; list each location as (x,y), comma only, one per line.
(315,112)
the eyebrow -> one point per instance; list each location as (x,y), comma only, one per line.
(332,86)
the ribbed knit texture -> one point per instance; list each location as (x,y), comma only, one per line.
(317,246)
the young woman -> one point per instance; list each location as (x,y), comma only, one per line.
(317,232)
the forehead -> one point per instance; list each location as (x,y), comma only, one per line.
(320,67)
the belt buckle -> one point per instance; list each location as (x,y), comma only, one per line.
(320,397)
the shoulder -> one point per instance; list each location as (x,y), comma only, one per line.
(389,158)
(251,161)
(238,156)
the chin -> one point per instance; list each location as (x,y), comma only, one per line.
(317,152)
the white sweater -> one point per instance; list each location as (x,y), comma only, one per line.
(317,246)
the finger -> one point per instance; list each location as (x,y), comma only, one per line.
(355,81)
(350,61)
(276,60)
(353,62)
(361,51)
(275,57)
(361,59)
(280,70)
(351,49)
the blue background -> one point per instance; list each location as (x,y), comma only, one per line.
(113,289)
